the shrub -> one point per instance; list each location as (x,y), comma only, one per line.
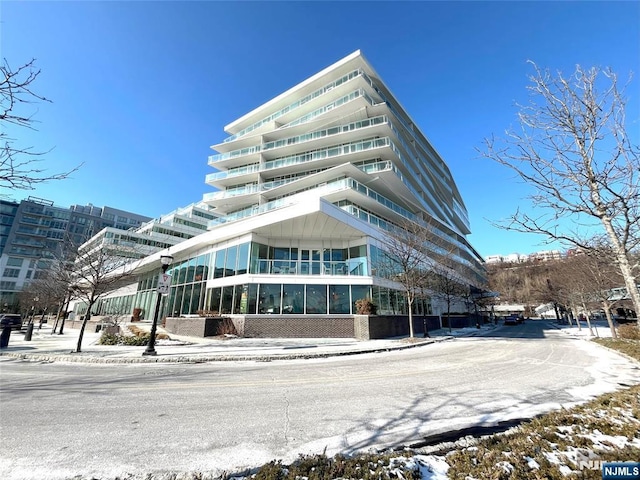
(139,332)
(108,339)
(364,306)
(360,466)
(130,340)
(629,331)
(226,327)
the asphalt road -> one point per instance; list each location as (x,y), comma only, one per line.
(61,420)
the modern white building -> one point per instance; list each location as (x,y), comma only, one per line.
(307,185)
(150,237)
(156,234)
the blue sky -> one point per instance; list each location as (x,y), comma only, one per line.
(141,89)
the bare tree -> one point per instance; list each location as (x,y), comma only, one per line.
(601,276)
(407,261)
(49,289)
(572,148)
(446,283)
(19,169)
(97,271)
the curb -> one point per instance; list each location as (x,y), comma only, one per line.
(80,358)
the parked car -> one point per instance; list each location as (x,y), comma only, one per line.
(511,319)
(13,320)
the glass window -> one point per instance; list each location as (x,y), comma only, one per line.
(269,298)
(171,300)
(316,299)
(255,256)
(252,301)
(186,300)
(230,263)
(227,300)
(238,293)
(181,273)
(177,303)
(281,253)
(315,268)
(195,298)
(338,254)
(243,258)
(358,292)
(393,301)
(304,268)
(191,270)
(218,271)
(213,304)
(243,306)
(263,251)
(201,268)
(14,262)
(11,272)
(358,260)
(339,301)
(292,298)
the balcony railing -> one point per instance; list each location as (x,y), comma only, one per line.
(296,104)
(310,267)
(300,138)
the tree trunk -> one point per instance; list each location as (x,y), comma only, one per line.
(623,264)
(607,313)
(630,283)
(584,308)
(410,305)
(87,316)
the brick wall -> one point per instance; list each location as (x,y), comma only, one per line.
(192,327)
(291,326)
(362,327)
(397,326)
(458,321)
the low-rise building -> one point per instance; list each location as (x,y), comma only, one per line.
(33,232)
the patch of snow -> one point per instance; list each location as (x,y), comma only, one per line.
(533,465)
(432,467)
(506,466)
(564,470)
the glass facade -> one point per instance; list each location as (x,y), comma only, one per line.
(189,293)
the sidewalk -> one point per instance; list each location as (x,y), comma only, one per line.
(48,347)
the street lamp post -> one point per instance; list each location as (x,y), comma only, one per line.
(164,281)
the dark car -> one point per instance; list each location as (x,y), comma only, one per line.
(13,320)
(511,320)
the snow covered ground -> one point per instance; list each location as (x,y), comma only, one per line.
(434,467)
(568,459)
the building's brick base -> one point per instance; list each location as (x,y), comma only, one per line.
(265,326)
(377,327)
(192,327)
(291,326)
(362,327)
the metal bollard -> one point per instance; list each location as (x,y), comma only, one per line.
(4,337)
(27,336)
